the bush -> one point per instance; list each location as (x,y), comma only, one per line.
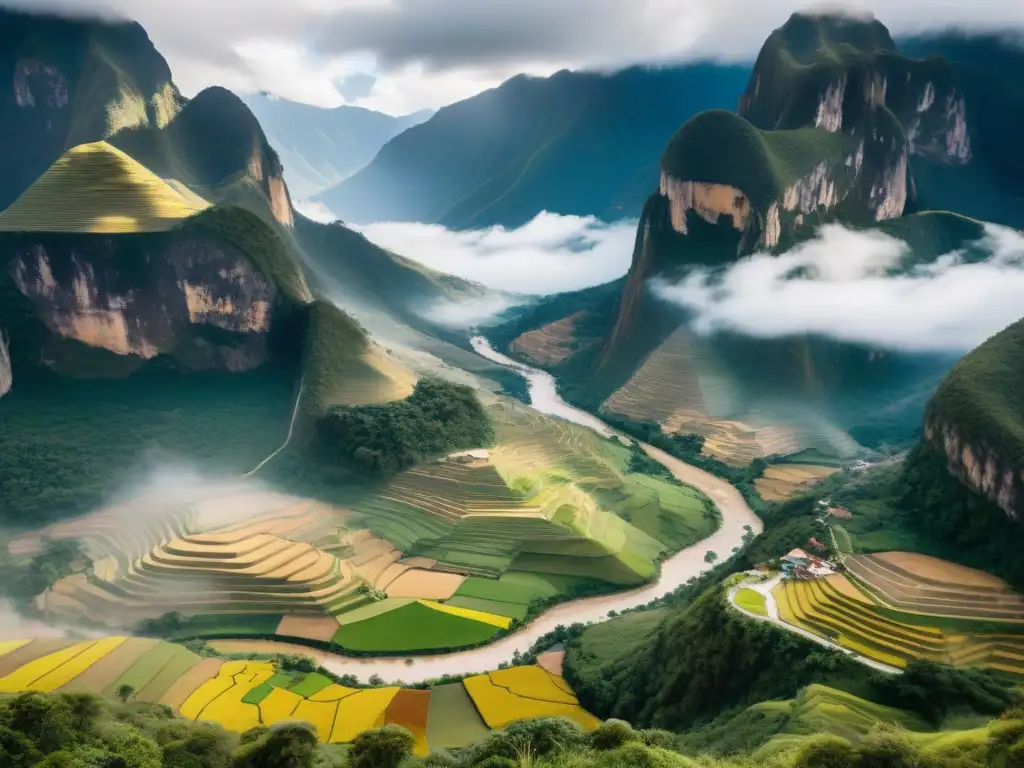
(826,751)
(612,734)
(384,747)
(537,737)
(637,755)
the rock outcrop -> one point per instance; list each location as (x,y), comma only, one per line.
(88,289)
(979,466)
(6,375)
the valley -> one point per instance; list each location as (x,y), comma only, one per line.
(274,494)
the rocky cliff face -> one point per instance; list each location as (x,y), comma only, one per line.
(149,295)
(979,466)
(6,375)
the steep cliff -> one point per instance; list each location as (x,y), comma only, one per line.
(976,419)
(208,293)
(67,82)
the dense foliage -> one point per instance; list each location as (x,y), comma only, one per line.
(437,418)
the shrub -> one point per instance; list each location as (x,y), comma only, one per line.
(384,747)
(826,751)
(538,737)
(637,755)
(612,734)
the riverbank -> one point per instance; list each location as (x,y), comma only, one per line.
(737,518)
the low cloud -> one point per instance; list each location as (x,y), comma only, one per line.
(314,210)
(848,285)
(468,313)
(550,254)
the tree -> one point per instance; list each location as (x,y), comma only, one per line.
(710,556)
(292,745)
(124,692)
(384,747)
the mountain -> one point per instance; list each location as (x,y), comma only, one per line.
(319,147)
(833,126)
(73,82)
(976,419)
(574,143)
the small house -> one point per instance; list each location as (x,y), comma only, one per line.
(841,512)
(796,557)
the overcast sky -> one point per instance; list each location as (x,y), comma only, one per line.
(427,53)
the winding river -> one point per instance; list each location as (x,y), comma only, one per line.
(675,571)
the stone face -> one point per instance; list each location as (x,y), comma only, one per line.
(36,84)
(83,291)
(830,108)
(709,201)
(6,376)
(978,466)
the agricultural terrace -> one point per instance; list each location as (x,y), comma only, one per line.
(404,625)
(549,344)
(548,498)
(97,188)
(369,378)
(782,481)
(240,695)
(835,608)
(927,585)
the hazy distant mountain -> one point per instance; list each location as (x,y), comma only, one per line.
(320,147)
(573,143)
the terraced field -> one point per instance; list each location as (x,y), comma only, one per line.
(371,378)
(927,585)
(549,344)
(835,609)
(99,189)
(240,695)
(782,481)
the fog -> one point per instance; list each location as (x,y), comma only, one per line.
(550,254)
(847,285)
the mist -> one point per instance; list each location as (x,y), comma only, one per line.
(850,285)
(550,254)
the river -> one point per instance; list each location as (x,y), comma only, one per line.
(675,571)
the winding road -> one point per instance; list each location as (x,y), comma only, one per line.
(675,571)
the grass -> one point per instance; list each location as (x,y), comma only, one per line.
(413,627)
(751,600)
(310,685)
(95,188)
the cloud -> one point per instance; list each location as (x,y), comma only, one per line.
(463,46)
(848,285)
(550,254)
(315,210)
(468,313)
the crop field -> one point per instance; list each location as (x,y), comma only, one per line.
(370,378)
(522,692)
(549,344)
(833,609)
(751,600)
(97,188)
(419,625)
(240,695)
(927,585)
(782,481)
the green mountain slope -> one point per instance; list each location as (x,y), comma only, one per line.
(70,82)
(573,143)
(320,148)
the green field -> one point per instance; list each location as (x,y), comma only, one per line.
(309,685)
(751,600)
(227,625)
(453,720)
(412,627)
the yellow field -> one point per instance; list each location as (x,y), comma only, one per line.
(56,669)
(320,714)
(98,188)
(468,613)
(228,709)
(533,683)
(782,481)
(361,712)
(6,646)
(279,705)
(499,706)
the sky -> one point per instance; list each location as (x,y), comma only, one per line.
(399,56)
(841,285)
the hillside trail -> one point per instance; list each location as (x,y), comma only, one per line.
(287,439)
